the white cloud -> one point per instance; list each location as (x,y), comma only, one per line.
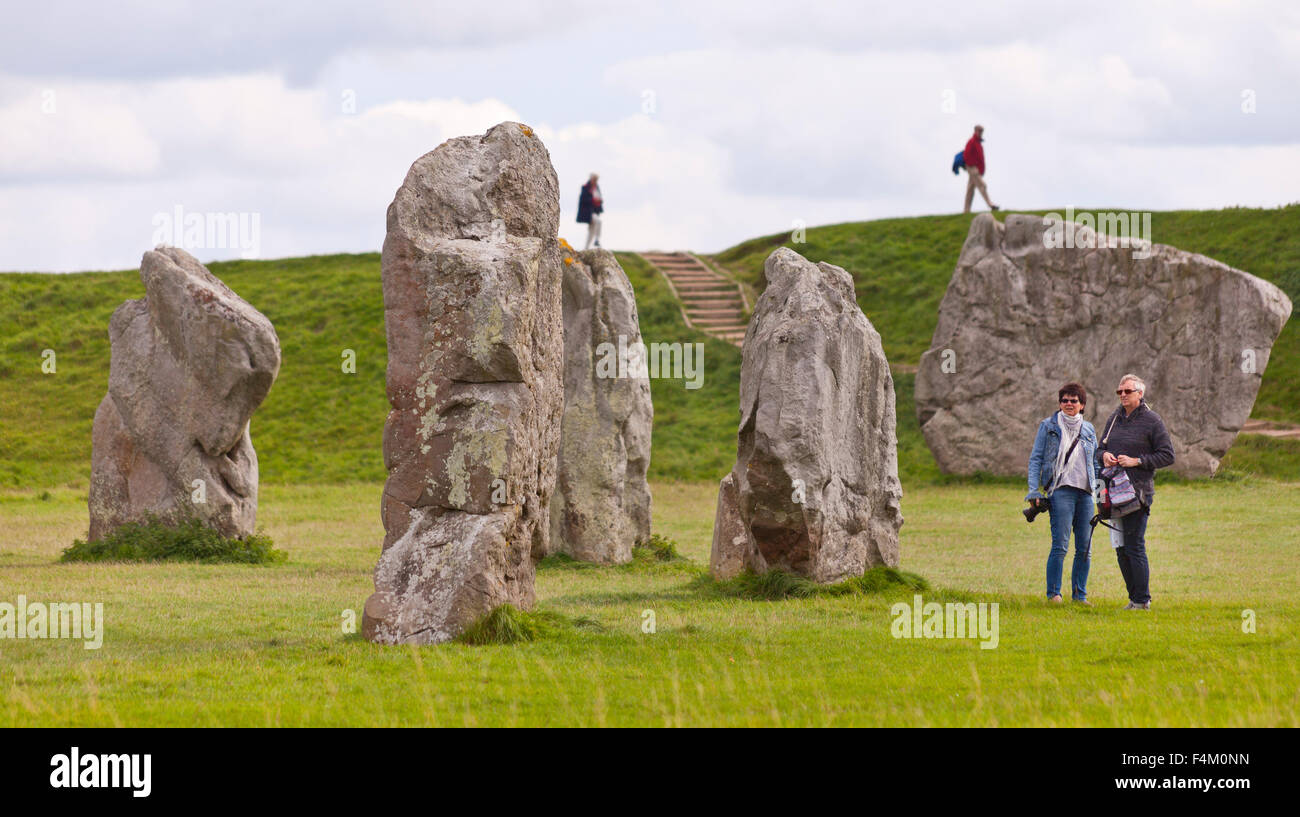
(805,114)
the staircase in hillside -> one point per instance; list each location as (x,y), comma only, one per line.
(710,302)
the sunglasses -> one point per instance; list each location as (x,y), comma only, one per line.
(1125,392)
(1069,400)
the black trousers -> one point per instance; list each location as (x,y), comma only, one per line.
(1132,557)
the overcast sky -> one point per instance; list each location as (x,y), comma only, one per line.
(709,122)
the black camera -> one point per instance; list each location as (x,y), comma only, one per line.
(1036,506)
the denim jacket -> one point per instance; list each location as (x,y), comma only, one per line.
(1042,461)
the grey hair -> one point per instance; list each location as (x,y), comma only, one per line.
(1141,384)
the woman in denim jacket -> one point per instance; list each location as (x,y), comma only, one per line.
(1065,487)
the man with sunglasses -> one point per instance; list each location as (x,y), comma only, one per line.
(1062,474)
(1136,440)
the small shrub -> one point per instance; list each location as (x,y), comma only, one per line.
(190,541)
(657,549)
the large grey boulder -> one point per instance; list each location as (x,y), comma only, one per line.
(1037,303)
(191,361)
(472,277)
(601,504)
(815,488)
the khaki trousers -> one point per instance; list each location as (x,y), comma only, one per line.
(973,183)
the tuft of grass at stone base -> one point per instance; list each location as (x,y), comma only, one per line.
(190,541)
(507,624)
(776,584)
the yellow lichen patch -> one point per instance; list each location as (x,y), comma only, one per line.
(568,260)
(566,245)
(488,332)
(527,130)
(479,445)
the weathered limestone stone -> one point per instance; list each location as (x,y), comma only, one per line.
(815,488)
(1019,319)
(472,279)
(191,361)
(601,505)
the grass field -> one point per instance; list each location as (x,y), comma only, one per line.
(261,646)
(241,645)
(322,426)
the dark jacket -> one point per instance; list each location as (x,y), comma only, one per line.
(585,205)
(1042,459)
(1141,434)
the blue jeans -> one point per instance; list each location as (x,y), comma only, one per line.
(1070,508)
(1132,557)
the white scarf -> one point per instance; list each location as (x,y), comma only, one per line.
(1070,427)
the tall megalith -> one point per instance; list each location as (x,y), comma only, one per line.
(472,305)
(601,505)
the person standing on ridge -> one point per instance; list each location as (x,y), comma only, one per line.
(973,156)
(590,206)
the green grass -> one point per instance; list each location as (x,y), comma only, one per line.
(203,645)
(656,641)
(323,426)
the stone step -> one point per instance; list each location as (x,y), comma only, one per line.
(694,277)
(712,303)
(729,308)
(702,286)
(717,324)
(735,315)
(671,261)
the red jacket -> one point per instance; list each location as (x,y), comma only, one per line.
(974,154)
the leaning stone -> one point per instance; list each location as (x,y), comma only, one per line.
(190,363)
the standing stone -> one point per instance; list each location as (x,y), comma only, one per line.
(191,361)
(472,278)
(601,505)
(815,488)
(1037,303)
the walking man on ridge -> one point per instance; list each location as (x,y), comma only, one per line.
(974,158)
